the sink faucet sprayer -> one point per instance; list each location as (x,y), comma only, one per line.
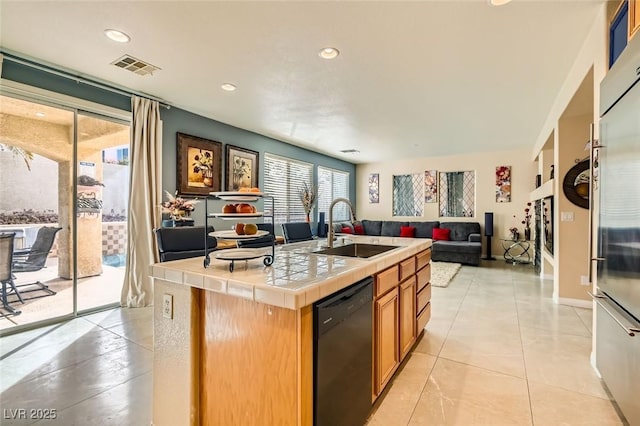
(353,218)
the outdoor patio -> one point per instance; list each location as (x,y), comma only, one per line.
(93,292)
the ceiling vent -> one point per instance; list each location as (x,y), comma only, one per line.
(135,65)
(349,151)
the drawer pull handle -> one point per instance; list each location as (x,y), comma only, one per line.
(603,301)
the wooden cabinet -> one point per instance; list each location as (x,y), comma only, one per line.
(401,311)
(634,17)
(386,280)
(386,357)
(423,290)
(407,315)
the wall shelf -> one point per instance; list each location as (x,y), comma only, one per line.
(542,192)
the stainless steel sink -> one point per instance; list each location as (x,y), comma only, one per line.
(357,250)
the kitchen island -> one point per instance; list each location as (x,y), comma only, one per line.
(236,348)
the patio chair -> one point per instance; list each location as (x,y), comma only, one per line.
(6,277)
(296,231)
(34,258)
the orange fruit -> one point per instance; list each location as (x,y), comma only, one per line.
(250,229)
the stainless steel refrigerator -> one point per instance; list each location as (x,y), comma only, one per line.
(618,177)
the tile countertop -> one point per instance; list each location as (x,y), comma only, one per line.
(297,277)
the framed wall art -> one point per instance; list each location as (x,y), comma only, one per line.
(503,184)
(431,186)
(199,165)
(241,168)
(374,188)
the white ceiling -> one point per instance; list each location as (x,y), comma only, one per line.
(414,79)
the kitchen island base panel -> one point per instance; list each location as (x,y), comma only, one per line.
(254,377)
(224,360)
(176,356)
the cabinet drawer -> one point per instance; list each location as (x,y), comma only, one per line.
(423,258)
(424,317)
(424,276)
(407,268)
(386,280)
(423,297)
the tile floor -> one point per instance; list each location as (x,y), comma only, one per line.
(497,351)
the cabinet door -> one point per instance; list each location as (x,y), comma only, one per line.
(634,17)
(407,316)
(386,339)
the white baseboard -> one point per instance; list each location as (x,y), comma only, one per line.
(593,364)
(578,303)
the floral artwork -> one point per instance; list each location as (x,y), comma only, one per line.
(199,165)
(503,184)
(241,169)
(374,188)
(431,186)
(201,174)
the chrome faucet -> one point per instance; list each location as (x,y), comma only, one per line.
(333,203)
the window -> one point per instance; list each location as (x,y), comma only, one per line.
(457,194)
(333,184)
(283,178)
(408,193)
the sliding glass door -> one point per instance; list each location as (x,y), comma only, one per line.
(63,196)
(102,201)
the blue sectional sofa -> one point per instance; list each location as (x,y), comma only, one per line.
(464,245)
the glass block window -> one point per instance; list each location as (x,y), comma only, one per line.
(457,194)
(333,184)
(283,178)
(408,195)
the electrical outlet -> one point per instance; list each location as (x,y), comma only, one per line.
(566,216)
(584,280)
(167,306)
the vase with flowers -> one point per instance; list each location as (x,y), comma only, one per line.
(527,222)
(308,196)
(203,164)
(179,208)
(515,235)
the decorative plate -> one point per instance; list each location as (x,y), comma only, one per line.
(235,215)
(231,235)
(576,184)
(239,254)
(238,196)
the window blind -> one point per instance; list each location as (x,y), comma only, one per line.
(283,178)
(333,184)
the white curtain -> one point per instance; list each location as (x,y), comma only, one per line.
(144,198)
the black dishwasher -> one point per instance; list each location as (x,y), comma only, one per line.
(342,353)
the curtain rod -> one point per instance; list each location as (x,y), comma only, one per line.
(79,79)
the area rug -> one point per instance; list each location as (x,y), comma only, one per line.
(443,272)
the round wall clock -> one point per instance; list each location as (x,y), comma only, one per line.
(576,184)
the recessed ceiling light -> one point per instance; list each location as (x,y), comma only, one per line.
(116,35)
(40,114)
(499,2)
(228,87)
(329,53)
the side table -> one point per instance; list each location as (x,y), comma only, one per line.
(516,251)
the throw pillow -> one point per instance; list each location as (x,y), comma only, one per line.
(408,231)
(441,234)
(346,230)
(359,229)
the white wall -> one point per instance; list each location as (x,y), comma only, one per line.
(21,189)
(523,172)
